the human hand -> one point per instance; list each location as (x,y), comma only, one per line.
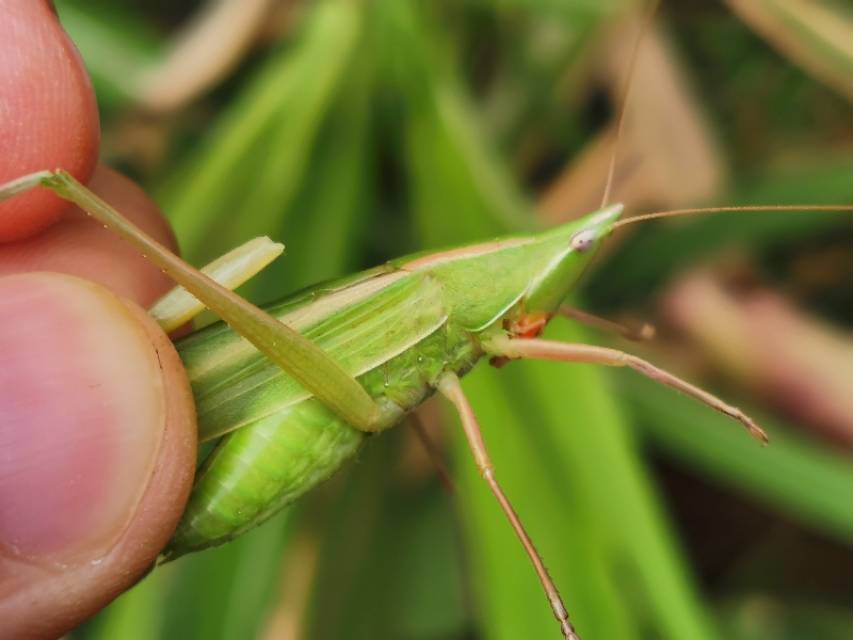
(97,422)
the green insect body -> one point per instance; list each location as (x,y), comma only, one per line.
(398,328)
(293,392)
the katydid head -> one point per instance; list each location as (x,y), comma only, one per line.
(581,240)
(532,273)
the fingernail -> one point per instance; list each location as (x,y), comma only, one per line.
(81,417)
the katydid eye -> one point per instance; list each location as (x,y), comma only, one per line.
(583,240)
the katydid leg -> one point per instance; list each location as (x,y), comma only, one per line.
(432,451)
(573,352)
(451,388)
(22,184)
(298,356)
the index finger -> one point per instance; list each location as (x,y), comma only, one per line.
(48,113)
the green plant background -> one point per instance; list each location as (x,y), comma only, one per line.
(370,129)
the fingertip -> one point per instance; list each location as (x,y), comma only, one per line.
(98,431)
(50,116)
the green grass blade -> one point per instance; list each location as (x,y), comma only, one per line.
(242,177)
(327,221)
(115,44)
(389,563)
(136,615)
(227,592)
(803,479)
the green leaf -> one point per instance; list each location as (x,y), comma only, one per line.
(799,477)
(116,44)
(227,592)
(389,563)
(136,615)
(240,180)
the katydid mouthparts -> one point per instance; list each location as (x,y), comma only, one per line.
(291,392)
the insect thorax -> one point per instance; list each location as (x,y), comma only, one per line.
(411,377)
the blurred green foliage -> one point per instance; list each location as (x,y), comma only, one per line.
(365,130)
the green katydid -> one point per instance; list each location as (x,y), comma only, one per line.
(292,391)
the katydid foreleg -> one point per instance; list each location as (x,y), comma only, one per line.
(535,348)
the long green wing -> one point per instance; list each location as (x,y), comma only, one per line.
(362,325)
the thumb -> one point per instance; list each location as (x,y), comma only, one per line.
(97,449)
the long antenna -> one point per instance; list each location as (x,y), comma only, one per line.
(759,208)
(651,8)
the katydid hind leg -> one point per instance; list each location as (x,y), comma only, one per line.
(450,387)
(22,184)
(298,356)
(539,349)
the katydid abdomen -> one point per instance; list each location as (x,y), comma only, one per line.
(257,470)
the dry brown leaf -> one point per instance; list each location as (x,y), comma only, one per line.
(211,45)
(666,157)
